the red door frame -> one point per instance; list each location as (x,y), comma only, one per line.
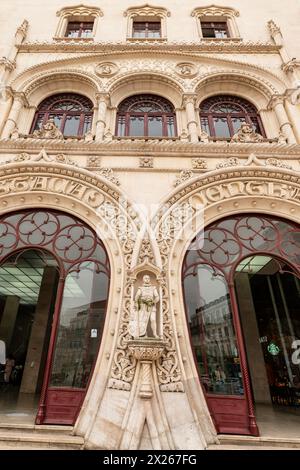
(229,412)
(57,405)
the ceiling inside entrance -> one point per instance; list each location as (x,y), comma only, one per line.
(22,277)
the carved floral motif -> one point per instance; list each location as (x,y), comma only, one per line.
(199,164)
(146,162)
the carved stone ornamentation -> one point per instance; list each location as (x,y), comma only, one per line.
(94,162)
(246,134)
(48,131)
(42,157)
(204,137)
(228,163)
(146,162)
(199,164)
(278,163)
(109,174)
(186,70)
(106,69)
(146,252)
(183,176)
(273,28)
(146,351)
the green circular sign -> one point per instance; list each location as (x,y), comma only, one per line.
(273,349)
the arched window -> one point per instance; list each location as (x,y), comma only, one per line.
(241,284)
(223,115)
(146,115)
(71,113)
(54,284)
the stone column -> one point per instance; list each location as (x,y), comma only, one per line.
(103,101)
(37,348)
(8,320)
(11,123)
(256,362)
(277,103)
(189,104)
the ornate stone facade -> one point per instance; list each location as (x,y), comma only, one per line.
(141,193)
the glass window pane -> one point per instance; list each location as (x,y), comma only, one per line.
(136,126)
(155,128)
(72,126)
(80,329)
(170,127)
(57,119)
(121,126)
(237,122)
(221,127)
(212,332)
(204,125)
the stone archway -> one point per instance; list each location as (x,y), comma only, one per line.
(197,203)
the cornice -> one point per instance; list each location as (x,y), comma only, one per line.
(150,148)
(217,46)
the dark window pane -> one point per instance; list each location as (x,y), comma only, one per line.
(212,332)
(81,325)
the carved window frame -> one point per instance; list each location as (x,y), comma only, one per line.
(214,13)
(77,13)
(147,13)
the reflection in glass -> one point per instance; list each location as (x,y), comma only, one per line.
(221,127)
(155,126)
(212,332)
(137,126)
(81,325)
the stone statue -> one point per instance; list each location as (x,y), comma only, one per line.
(48,131)
(144,310)
(246,134)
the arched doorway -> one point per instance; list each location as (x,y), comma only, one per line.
(241,288)
(54,282)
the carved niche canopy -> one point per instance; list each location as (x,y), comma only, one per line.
(79,10)
(214,10)
(147,11)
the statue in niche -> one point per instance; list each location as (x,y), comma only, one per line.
(144,310)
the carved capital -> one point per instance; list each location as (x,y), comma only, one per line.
(147,349)
(189,98)
(103,98)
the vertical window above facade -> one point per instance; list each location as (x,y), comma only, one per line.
(78,22)
(77,29)
(223,115)
(147,22)
(146,29)
(72,114)
(217,29)
(146,115)
(215,22)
